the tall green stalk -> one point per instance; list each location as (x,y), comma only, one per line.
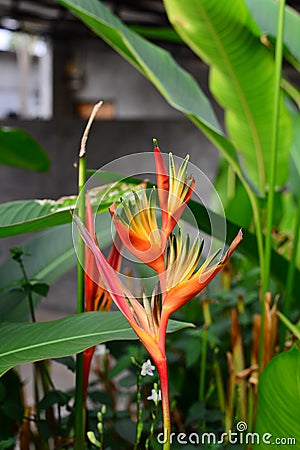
(79,403)
(204,345)
(274,152)
(80,410)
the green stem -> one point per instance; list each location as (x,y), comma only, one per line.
(207,323)
(139,423)
(80,410)
(291,91)
(258,230)
(272,179)
(27,281)
(203,362)
(251,409)
(290,276)
(80,413)
(219,385)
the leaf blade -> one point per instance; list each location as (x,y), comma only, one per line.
(19,149)
(226,37)
(28,342)
(24,216)
(279,399)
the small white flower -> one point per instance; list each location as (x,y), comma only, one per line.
(101,350)
(155,396)
(147,368)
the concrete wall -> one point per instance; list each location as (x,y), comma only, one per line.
(108,76)
(10,86)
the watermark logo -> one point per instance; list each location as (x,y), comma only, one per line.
(238,437)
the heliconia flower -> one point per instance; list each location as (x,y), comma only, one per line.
(174,189)
(149,320)
(138,229)
(96,296)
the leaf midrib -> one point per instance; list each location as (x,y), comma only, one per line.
(65,339)
(257,143)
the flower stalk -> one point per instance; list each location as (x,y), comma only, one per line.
(272,179)
(162,368)
(80,410)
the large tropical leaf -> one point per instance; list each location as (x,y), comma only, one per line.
(279,402)
(19,149)
(47,256)
(265,14)
(23,216)
(28,342)
(175,84)
(226,37)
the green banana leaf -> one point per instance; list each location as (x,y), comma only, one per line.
(226,37)
(47,256)
(159,67)
(23,216)
(28,342)
(265,14)
(277,420)
(19,149)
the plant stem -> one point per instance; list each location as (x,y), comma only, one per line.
(139,423)
(79,401)
(274,152)
(203,363)
(251,409)
(27,281)
(164,386)
(291,91)
(219,385)
(80,410)
(207,323)
(290,276)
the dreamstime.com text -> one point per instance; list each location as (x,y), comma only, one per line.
(239,437)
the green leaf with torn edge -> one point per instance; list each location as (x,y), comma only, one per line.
(23,216)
